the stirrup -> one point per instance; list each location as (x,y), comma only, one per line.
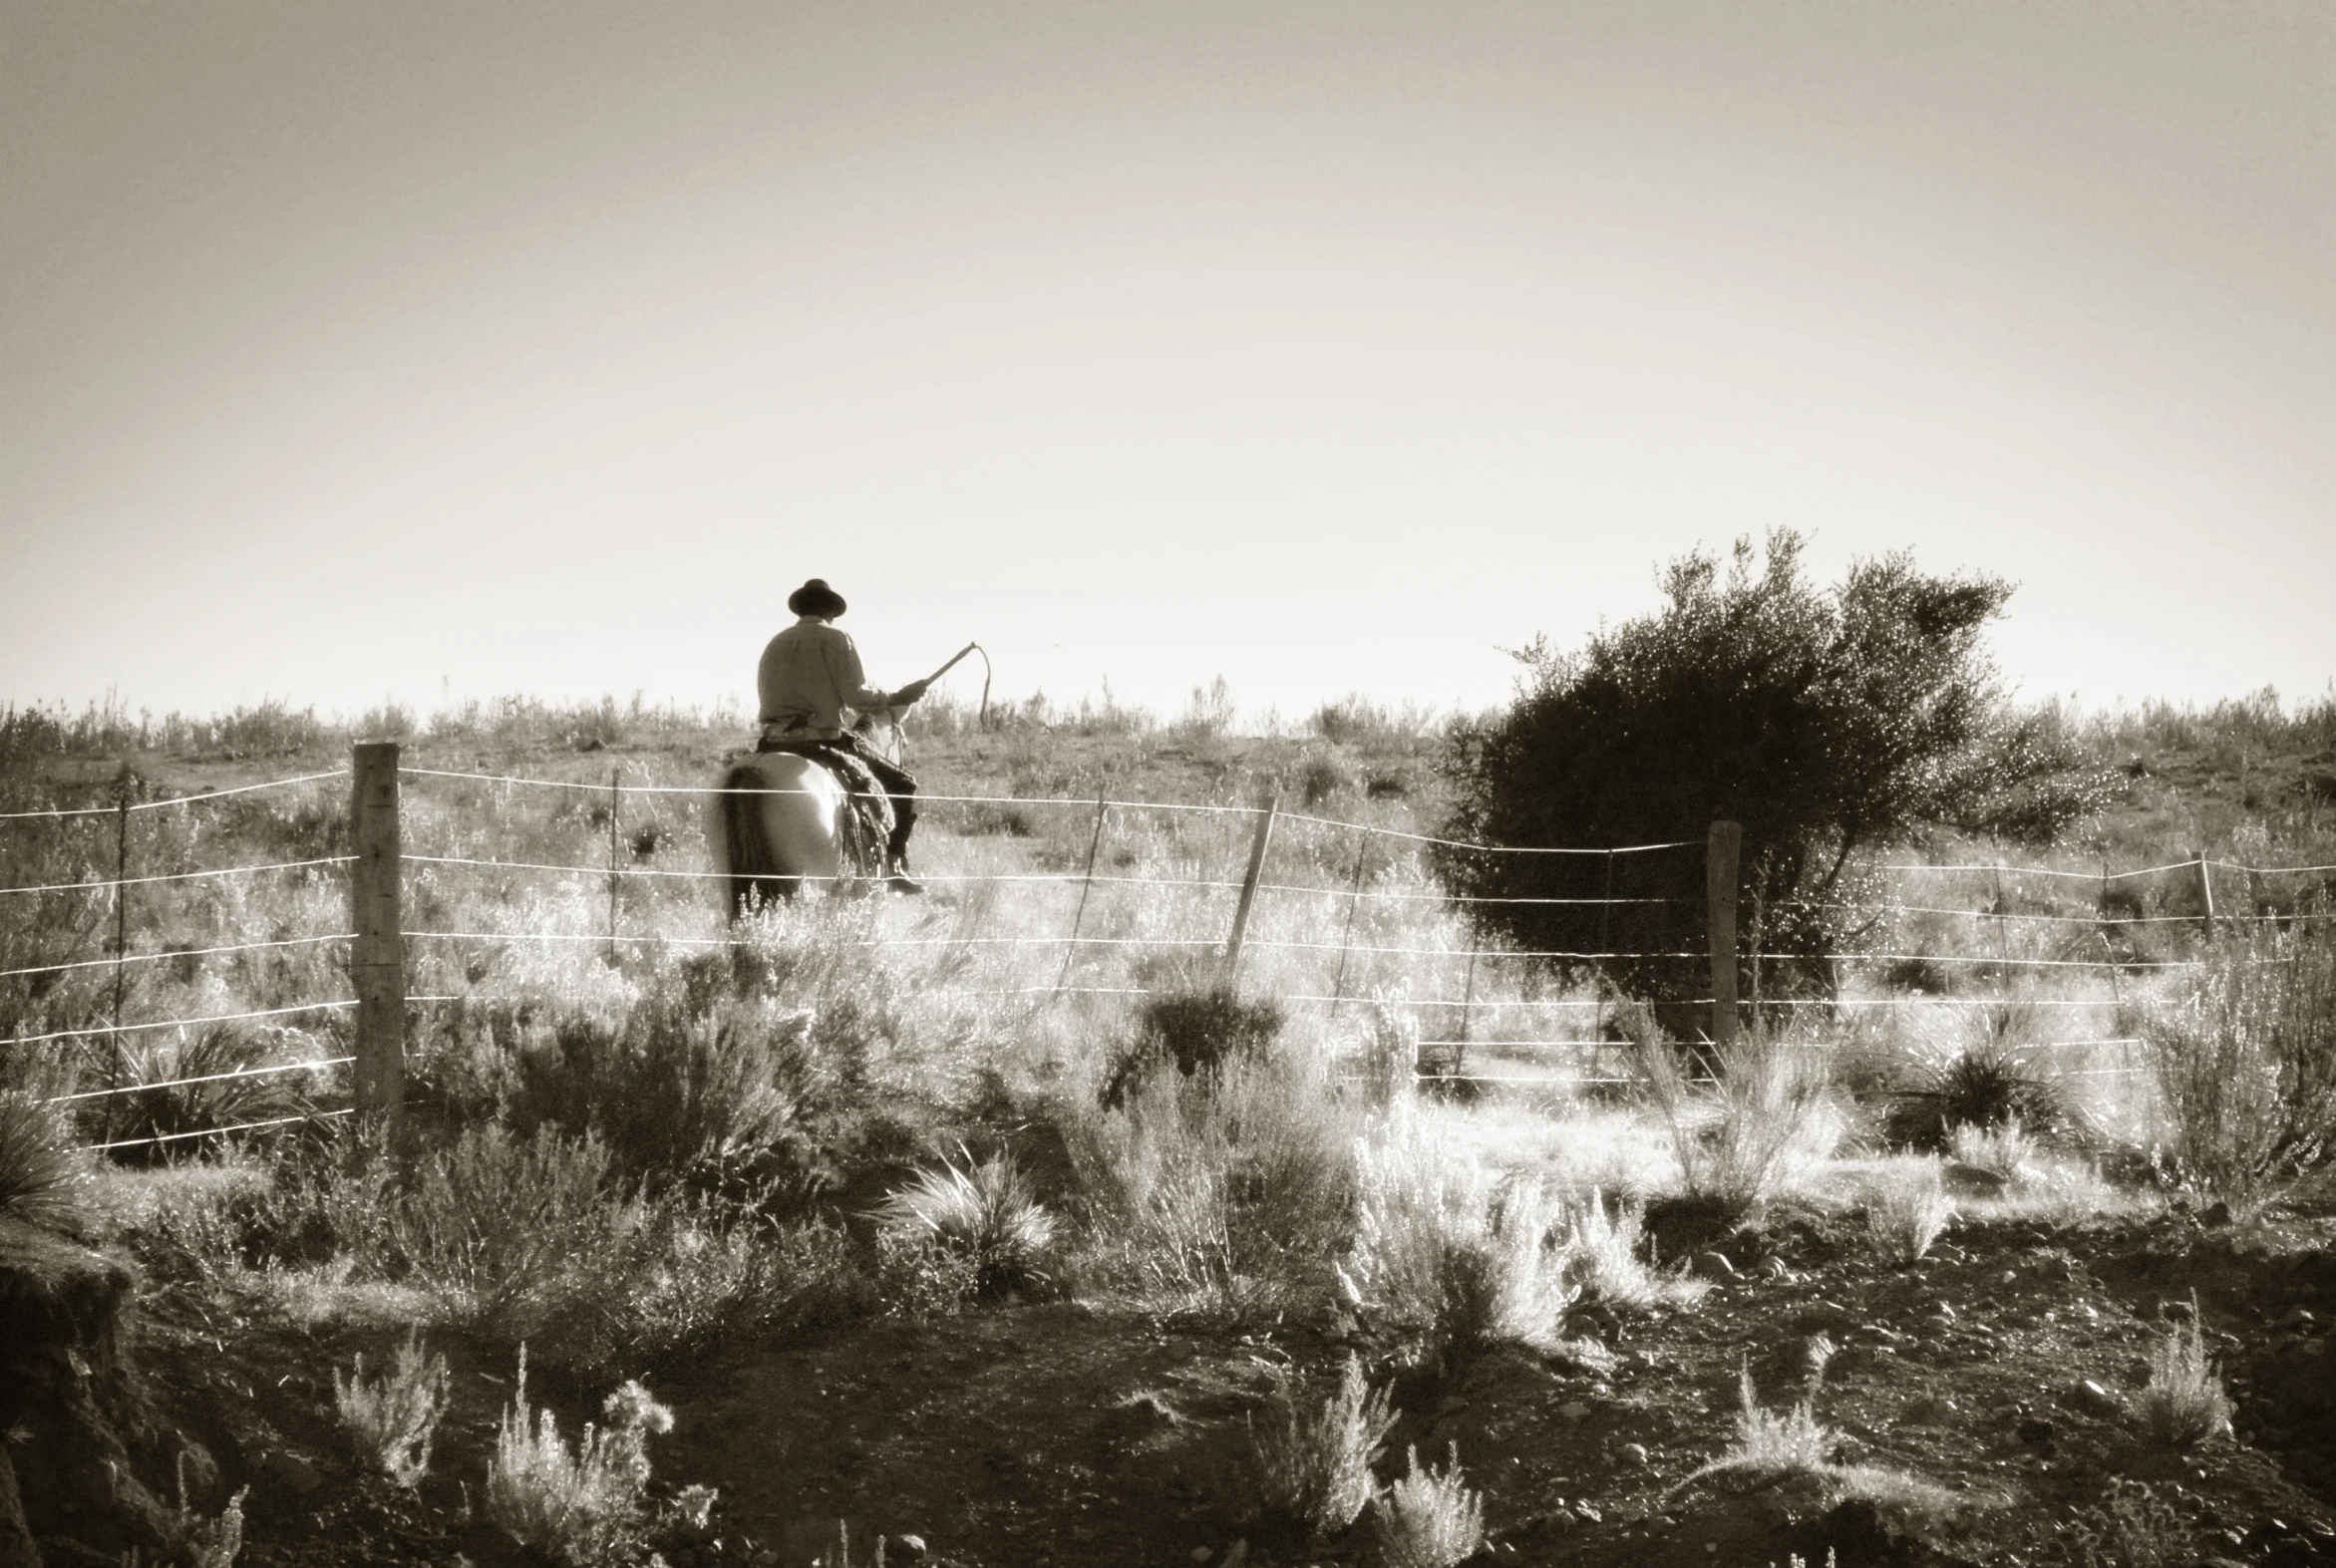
(898,879)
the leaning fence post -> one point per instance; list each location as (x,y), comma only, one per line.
(1346,938)
(1086,886)
(1721,849)
(1232,946)
(377,964)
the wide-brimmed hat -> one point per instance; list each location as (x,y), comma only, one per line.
(816,598)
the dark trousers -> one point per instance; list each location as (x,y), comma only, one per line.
(897,786)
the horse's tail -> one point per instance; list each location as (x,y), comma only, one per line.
(753,870)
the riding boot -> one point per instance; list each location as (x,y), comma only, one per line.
(897,876)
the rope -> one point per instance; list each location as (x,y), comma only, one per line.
(178,876)
(182,799)
(207,1078)
(190,952)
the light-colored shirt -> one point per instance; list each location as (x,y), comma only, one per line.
(809,675)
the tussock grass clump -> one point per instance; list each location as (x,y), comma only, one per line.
(1907,1209)
(391,1419)
(2183,1403)
(581,1505)
(984,1211)
(1765,1114)
(1429,1519)
(2246,1067)
(1314,1468)
(227,1091)
(1986,1088)
(43,1179)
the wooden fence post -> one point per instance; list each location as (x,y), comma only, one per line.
(1346,938)
(2206,892)
(1232,947)
(377,963)
(1721,849)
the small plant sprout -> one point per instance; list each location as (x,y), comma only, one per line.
(1429,1519)
(580,1506)
(201,1542)
(1768,1445)
(1908,1210)
(391,1419)
(1315,1470)
(2183,1403)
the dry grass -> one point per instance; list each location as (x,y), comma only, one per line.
(983,1211)
(1314,1468)
(1763,1115)
(1429,1519)
(1906,1207)
(2183,1403)
(43,1180)
(391,1419)
(1602,1248)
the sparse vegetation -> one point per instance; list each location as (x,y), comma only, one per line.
(1314,1466)
(579,1505)
(1763,1115)
(391,1419)
(1429,1519)
(1907,1209)
(2183,1403)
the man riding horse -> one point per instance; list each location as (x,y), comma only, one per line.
(809,674)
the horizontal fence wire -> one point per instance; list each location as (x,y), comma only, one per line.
(185,1023)
(177,876)
(213,1132)
(206,1078)
(187,952)
(175,800)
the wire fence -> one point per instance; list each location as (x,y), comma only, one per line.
(1355,894)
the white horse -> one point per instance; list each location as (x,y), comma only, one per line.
(782,820)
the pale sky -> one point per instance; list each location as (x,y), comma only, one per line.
(352,351)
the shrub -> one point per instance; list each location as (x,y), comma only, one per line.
(2134,1528)
(984,1211)
(44,1180)
(495,1225)
(1439,1248)
(1429,1519)
(2246,1067)
(673,1089)
(1603,1258)
(391,1419)
(581,1506)
(2183,1403)
(1825,722)
(2006,1151)
(1229,1194)
(1907,1209)
(1314,1469)
(1199,1029)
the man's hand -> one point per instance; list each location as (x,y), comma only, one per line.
(909,693)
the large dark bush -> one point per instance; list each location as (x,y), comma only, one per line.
(1825,721)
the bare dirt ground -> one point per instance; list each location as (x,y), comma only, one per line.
(1069,1433)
